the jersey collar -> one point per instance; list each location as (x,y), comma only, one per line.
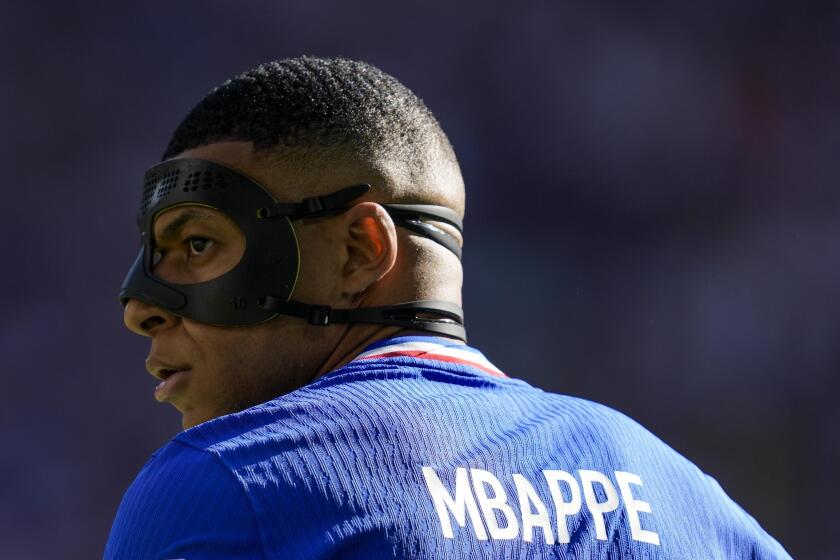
(431,348)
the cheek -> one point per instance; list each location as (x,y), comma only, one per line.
(247,365)
(236,354)
(218,356)
(229,371)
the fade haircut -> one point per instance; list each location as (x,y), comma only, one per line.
(330,107)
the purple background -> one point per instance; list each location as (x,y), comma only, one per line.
(652,223)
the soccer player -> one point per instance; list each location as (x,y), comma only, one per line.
(299,281)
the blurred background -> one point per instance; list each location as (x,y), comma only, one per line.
(652,223)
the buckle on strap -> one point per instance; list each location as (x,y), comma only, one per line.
(319,315)
(314,204)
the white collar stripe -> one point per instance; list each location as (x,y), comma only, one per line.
(426,346)
(432,351)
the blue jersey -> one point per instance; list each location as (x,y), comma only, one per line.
(420,448)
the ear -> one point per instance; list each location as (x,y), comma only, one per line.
(371,246)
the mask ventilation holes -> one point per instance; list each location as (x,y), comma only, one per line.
(157,187)
(204,180)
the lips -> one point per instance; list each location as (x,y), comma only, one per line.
(164,369)
(172,385)
(166,373)
(173,376)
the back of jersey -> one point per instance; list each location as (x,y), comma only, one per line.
(421,449)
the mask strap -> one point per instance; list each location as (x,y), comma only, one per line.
(409,216)
(314,206)
(405,315)
(417,211)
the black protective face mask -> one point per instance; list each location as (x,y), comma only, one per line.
(260,286)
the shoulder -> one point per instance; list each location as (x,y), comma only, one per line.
(371,438)
(184,503)
(688,509)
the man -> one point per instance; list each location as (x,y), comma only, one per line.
(300,284)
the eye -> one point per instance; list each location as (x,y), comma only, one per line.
(198,245)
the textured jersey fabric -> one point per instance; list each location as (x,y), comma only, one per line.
(420,448)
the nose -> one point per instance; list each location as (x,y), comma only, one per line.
(147,320)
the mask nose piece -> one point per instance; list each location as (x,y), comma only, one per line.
(140,286)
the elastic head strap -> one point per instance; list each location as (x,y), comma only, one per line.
(429,211)
(408,315)
(314,206)
(409,216)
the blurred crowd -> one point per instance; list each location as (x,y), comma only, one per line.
(652,223)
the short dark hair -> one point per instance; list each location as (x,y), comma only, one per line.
(317,103)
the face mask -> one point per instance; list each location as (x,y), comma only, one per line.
(258,287)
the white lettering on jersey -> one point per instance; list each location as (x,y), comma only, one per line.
(462,504)
(536,517)
(633,507)
(596,508)
(481,496)
(489,506)
(562,507)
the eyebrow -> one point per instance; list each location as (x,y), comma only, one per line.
(174,227)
